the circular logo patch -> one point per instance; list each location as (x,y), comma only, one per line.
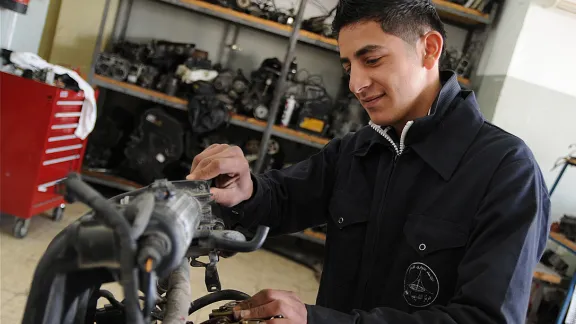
(420,285)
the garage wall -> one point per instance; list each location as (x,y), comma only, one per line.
(76,32)
(29,27)
(538,98)
(497,55)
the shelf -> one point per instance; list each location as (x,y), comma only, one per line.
(279,131)
(546,274)
(311,236)
(182,104)
(139,92)
(254,22)
(454,12)
(447,10)
(463,81)
(564,241)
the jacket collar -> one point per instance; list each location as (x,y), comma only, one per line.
(442,137)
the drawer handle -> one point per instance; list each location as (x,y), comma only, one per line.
(64,126)
(63,148)
(61,138)
(68,114)
(69,103)
(60,160)
(44,187)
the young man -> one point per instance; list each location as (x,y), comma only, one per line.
(434,215)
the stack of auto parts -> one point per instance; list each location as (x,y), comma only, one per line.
(157,142)
(265,9)
(158,65)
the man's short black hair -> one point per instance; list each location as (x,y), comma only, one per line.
(407,19)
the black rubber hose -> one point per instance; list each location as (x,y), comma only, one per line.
(48,267)
(216,297)
(106,211)
(221,243)
(111,299)
(139,212)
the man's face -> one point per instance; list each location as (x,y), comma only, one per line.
(386,73)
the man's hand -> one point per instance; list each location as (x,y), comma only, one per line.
(228,166)
(284,305)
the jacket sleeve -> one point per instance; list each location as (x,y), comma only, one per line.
(494,278)
(292,199)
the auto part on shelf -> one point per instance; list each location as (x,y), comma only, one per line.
(112,66)
(315,116)
(157,142)
(553,260)
(568,227)
(205,111)
(132,239)
(223,82)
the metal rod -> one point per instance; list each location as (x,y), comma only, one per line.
(558,178)
(279,91)
(98,46)
(127,15)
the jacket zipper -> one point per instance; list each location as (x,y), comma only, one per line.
(399,149)
(384,133)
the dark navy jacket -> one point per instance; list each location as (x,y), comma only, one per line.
(447,231)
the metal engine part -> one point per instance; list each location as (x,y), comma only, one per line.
(261,112)
(243,4)
(224,81)
(112,66)
(225,315)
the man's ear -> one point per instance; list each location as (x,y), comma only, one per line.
(433,44)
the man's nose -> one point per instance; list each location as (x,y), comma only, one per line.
(359,81)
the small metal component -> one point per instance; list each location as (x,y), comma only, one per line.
(422,247)
(340,220)
(261,112)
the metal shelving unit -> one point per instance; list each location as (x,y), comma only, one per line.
(181,104)
(449,11)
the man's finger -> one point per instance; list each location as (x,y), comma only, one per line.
(210,150)
(213,167)
(262,297)
(269,310)
(225,197)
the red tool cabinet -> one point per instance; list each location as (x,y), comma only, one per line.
(38,147)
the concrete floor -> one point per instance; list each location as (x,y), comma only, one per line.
(248,272)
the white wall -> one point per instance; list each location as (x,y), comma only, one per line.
(545,52)
(29,27)
(499,48)
(538,100)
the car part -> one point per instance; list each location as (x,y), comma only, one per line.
(157,142)
(133,239)
(112,66)
(315,115)
(289,107)
(205,111)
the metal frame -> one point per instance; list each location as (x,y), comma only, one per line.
(251,24)
(122,21)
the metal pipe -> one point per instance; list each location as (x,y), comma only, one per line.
(98,46)
(279,91)
(178,295)
(127,16)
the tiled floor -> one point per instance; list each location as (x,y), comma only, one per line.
(249,272)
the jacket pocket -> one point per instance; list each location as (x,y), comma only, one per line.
(428,235)
(429,263)
(345,242)
(348,209)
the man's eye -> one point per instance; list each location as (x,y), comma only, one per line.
(373,61)
(347,69)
